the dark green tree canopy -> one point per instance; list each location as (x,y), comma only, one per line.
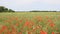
(4,9)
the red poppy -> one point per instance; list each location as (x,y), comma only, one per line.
(29,32)
(52,24)
(43,32)
(20,32)
(17,24)
(47,17)
(53,33)
(20,20)
(8,32)
(26,23)
(4,27)
(50,21)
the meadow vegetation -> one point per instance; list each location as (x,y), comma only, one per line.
(30,23)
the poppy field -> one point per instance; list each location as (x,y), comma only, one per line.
(30,23)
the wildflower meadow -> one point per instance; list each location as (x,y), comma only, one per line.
(30,23)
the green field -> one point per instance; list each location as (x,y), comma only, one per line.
(30,23)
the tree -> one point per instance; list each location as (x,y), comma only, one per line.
(4,9)
(1,8)
(10,10)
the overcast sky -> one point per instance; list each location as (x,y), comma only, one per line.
(24,5)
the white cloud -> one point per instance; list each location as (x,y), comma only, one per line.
(31,4)
(23,2)
(50,1)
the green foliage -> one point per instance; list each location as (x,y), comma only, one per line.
(10,10)
(4,9)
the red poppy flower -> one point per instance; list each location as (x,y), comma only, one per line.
(53,33)
(43,32)
(52,24)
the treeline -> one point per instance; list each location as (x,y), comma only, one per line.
(37,11)
(4,9)
(43,11)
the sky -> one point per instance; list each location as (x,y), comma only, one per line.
(28,5)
